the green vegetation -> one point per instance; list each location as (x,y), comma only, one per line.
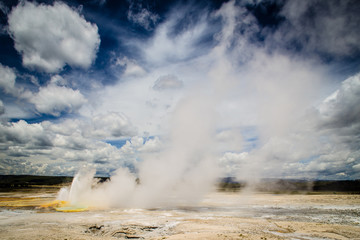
(229,184)
(26,181)
(291,186)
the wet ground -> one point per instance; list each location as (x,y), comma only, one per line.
(218,216)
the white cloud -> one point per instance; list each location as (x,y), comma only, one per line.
(268,88)
(142,16)
(230,85)
(66,127)
(132,69)
(342,108)
(167,47)
(58,148)
(55,100)
(131,147)
(30,136)
(166,52)
(147,109)
(167,82)
(48,37)
(58,80)
(229,140)
(232,163)
(111,125)
(7,80)
(20,166)
(152,145)
(319,144)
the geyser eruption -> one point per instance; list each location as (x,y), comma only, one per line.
(180,174)
(86,191)
(187,167)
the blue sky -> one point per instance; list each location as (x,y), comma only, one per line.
(266,88)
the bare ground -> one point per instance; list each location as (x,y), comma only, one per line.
(219,216)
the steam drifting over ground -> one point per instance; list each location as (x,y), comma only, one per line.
(184,171)
(166,97)
(178,95)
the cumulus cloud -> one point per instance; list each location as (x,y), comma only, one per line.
(321,144)
(7,79)
(66,127)
(31,136)
(261,86)
(152,145)
(56,100)
(293,140)
(112,124)
(237,82)
(167,82)
(60,148)
(232,163)
(49,37)
(339,113)
(342,108)
(20,166)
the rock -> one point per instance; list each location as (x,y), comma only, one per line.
(94,229)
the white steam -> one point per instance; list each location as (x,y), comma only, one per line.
(181,174)
(237,84)
(187,168)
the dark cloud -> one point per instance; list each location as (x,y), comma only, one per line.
(2,108)
(326,27)
(4,8)
(340,112)
(342,108)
